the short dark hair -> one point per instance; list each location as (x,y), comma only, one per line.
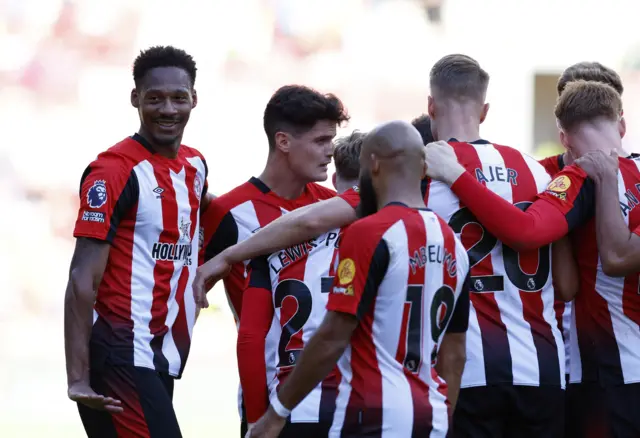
(583,101)
(423,124)
(163,56)
(590,71)
(459,77)
(346,155)
(296,108)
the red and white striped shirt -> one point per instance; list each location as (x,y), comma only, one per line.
(402,273)
(553,165)
(283,306)
(513,335)
(605,334)
(234,217)
(147,207)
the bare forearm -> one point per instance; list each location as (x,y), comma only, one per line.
(78,321)
(450,369)
(566,279)
(316,362)
(293,228)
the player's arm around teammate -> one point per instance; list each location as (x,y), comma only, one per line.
(295,227)
(619,248)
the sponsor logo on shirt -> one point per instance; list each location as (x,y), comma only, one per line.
(93,216)
(175,251)
(346,271)
(343,290)
(97,194)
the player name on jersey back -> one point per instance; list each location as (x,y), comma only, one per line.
(300,283)
(286,257)
(513,334)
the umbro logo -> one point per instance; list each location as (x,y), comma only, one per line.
(158,191)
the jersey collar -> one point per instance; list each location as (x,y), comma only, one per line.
(478,141)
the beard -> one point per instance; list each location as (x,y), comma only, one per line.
(368,198)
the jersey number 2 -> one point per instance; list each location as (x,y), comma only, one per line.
(440,313)
(296,289)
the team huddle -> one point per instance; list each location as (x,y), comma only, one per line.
(448,287)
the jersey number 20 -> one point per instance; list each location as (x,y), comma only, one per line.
(483,247)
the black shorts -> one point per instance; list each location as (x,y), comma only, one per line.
(507,411)
(622,402)
(305,430)
(585,411)
(146,397)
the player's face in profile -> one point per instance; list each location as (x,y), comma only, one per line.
(310,152)
(164,101)
(368,198)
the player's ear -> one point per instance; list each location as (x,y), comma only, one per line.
(282,142)
(622,126)
(134,98)
(375,164)
(485,111)
(564,139)
(424,169)
(194,98)
(431,108)
(333,180)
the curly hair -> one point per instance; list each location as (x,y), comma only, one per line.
(296,109)
(163,56)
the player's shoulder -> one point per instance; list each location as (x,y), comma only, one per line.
(190,152)
(379,222)
(121,157)
(320,192)
(245,192)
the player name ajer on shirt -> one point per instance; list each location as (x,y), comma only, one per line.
(402,273)
(513,335)
(605,308)
(147,207)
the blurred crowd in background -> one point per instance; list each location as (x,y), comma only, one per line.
(65,77)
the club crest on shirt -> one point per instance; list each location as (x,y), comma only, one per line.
(97,194)
(197,186)
(346,271)
(356,189)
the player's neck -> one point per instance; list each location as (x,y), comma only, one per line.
(462,127)
(166,150)
(281,180)
(397,192)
